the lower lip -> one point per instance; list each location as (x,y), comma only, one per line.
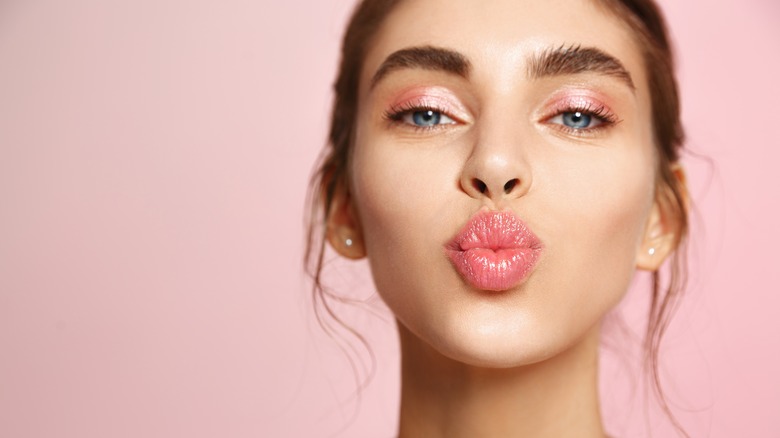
(494,270)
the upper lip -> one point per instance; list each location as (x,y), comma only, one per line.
(495,230)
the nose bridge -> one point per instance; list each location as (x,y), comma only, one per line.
(498,167)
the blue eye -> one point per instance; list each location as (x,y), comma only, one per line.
(426,118)
(577,120)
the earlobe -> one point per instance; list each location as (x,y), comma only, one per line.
(658,242)
(664,225)
(343,232)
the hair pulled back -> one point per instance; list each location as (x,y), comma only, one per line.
(645,20)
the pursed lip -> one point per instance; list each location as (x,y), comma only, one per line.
(494,251)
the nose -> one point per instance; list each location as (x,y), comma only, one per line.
(497,169)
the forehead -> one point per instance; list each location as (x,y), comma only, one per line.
(498,36)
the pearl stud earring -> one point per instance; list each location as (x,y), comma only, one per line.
(348,242)
(651,251)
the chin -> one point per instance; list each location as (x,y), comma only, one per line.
(495,342)
(502,351)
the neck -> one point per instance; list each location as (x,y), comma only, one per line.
(557,397)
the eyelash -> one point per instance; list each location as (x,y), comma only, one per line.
(600,112)
(395,115)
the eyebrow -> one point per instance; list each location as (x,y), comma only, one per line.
(576,59)
(425,57)
(559,61)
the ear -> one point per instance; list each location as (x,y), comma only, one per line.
(343,226)
(664,226)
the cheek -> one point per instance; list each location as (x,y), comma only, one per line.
(607,201)
(394,189)
(596,223)
(404,198)
(404,187)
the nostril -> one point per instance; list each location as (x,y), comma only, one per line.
(510,185)
(479,185)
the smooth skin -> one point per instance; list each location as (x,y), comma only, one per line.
(521,362)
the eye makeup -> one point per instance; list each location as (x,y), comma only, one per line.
(578,112)
(578,104)
(434,100)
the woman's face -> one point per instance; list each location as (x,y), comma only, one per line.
(531,113)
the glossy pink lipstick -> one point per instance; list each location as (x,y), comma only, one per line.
(495,251)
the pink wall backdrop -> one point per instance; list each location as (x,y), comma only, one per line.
(154,159)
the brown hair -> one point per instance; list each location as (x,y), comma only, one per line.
(647,22)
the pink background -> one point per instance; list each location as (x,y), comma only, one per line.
(154,159)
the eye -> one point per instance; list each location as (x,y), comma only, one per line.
(578,120)
(419,116)
(425,118)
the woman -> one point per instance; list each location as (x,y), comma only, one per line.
(505,167)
